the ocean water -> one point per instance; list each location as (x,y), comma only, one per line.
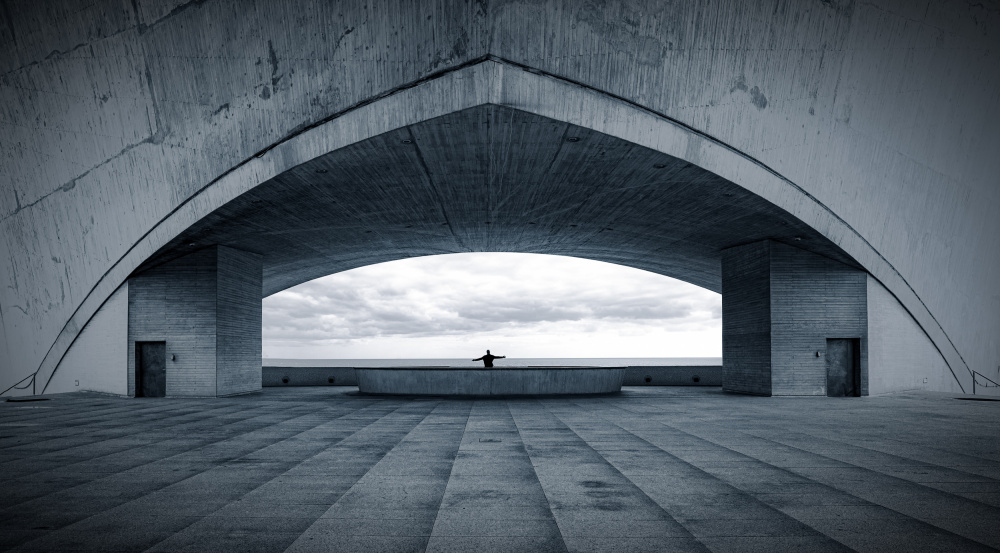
(499,363)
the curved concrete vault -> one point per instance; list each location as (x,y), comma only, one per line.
(481,175)
(494,179)
(473,151)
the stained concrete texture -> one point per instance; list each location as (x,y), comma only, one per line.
(500,381)
(871,123)
(651,469)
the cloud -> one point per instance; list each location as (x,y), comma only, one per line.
(517,296)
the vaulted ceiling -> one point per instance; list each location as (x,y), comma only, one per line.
(497,179)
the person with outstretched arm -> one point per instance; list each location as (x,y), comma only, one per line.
(488,359)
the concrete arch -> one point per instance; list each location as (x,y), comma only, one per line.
(492,81)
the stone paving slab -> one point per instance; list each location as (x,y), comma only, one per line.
(651,469)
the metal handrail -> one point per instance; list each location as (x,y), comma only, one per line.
(16,387)
(990,383)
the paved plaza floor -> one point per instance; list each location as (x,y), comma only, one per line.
(651,469)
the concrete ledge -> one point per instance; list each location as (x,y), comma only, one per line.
(688,375)
(707,375)
(519,381)
(308,376)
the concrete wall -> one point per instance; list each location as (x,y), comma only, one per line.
(175,303)
(117,113)
(779,306)
(524,381)
(98,360)
(634,376)
(883,111)
(812,298)
(309,376)
(676,375)
(900,356)
(206,306)
(238,322)
(746,319)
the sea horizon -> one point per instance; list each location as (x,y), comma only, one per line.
(510,362)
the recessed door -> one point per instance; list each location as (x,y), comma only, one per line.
(151,369)
(843,367)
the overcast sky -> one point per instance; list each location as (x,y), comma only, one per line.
(519,305)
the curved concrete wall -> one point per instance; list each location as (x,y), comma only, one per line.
(694,375)
(118,114)
(522,381)
(98,359)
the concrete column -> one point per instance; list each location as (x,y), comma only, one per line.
(780,304)
(206,306)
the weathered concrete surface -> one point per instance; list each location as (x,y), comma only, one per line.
(780,305)
(493,178)
(898,351)
(206,307)
(651,469)
(308,376)
(98,361)
(116,114)
(675,375)
(520,381)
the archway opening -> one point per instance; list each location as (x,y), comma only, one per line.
(481,175)
(536,309)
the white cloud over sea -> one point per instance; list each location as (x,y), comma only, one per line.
(520,305)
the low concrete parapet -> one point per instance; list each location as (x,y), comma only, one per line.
(308,376)
(693,375)
(520,381)
(688,375)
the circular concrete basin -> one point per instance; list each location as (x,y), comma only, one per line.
(513,381)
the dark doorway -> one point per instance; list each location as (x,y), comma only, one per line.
(151,369)
(843,367)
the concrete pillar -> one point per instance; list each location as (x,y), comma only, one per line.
(780,304)
(206,306)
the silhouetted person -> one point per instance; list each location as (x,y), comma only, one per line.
(488,359)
